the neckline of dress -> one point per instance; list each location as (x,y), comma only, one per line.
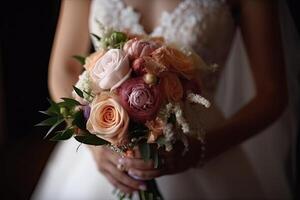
(139,14)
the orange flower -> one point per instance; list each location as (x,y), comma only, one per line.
(175,60)
(156,129)
(172,87)
(108,120)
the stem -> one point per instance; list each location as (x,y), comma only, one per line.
(152,192)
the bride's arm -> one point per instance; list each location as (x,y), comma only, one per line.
(71,38)
(261,33)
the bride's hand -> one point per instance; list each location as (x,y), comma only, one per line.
(107,162)
(173,162)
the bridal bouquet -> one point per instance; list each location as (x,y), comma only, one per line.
(131,95)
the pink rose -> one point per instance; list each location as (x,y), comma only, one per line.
(136,48)
(141,101)
(138,66)
(108,120)
(111,70)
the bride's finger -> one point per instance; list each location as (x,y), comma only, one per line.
(136,163)
(144,174)
(124,179)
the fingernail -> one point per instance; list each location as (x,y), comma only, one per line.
(131,174)
(143,187)
(121,160)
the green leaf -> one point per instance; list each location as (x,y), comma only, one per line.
(48,122)
(68,103)
(80,59)
(145,151)
(91,139)
(96,36)
(54,108)
(63,135)
(78,91)
(79,120)
(59,121)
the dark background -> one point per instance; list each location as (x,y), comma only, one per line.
(27,31)
(26,35)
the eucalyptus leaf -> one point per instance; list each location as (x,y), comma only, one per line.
(80,59)
(78,91)
(63,135)
(91,139)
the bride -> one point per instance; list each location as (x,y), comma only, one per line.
(247,147)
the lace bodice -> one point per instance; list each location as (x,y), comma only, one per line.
(204,25)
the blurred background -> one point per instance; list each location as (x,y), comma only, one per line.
(26,33)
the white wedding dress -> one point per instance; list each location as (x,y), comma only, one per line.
(257,169)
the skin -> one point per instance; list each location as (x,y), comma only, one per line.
(261,34)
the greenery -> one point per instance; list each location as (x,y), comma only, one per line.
(68,112)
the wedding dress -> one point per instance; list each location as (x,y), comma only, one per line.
(256,169)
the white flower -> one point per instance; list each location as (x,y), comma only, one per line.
(84,84)
(196,98)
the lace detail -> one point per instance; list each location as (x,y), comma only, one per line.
(204,25)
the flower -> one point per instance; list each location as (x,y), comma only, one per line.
(110,70)
(136,48)
(138,66)
(108,120)
(141,101)
(156,128)
(147,64)
(91,60)
(172,87)
(84,84)
(175,61)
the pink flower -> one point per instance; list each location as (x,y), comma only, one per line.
(136,48)
(138,66)
(110,70)
(108,120)
(141,101)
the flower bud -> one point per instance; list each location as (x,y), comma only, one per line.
(150,79)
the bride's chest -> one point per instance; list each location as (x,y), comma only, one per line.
(201,24)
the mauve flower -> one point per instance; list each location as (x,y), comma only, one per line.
(140,100)
(111,70)
(137,48)
(86,112)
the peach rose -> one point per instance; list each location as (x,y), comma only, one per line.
(156,128)
(136,48)
(110,70)
(91,60)
(147,64)
(175,60)
(108,120)
(172,87)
